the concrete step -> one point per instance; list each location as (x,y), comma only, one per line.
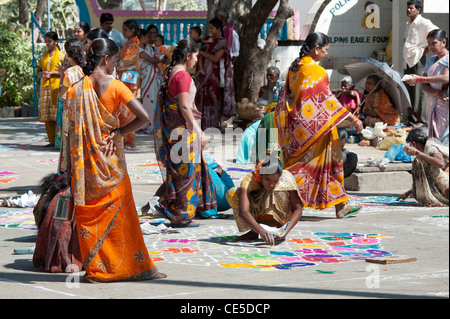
(397,176)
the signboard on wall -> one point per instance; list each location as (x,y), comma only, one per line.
(435,6)
(334,8)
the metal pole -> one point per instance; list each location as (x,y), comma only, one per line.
(33,65)
(48,15)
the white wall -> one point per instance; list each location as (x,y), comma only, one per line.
(349,25)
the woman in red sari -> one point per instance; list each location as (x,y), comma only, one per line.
(111,242)
(214,79)
(306,117)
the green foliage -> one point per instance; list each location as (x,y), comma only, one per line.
(9,11)
(189,5)
(16,73)
(64,16)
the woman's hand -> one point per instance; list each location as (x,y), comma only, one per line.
(203,140)
(410,150)
(359,126)
(60,69)
(111,142)
(267,237)
(443,96)
(45,74)
(413,80)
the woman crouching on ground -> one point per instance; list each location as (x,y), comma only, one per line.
(429,169)
(267,196)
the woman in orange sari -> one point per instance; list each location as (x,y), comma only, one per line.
(129,61)
(377,106)
(111,242)
(306,117)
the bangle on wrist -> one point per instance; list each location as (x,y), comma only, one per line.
(418,79)
(354,121)
(437,93)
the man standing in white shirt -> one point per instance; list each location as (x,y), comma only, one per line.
(414,56)
(106,22)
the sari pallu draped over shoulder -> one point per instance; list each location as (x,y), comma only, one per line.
(188,183)
(110,238)
(93,174)
(308,135)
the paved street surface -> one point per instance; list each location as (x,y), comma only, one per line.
(322,257)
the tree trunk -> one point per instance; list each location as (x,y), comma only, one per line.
(23,12)
(161,5)
(41,9)
(236,9)
(252,61)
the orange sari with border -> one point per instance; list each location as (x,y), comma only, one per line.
(111,242)
(308,135)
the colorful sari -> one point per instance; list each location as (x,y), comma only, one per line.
(265,206)
(437,110)
(71,76)
(210,101)
(188,183)
(48,93)
(308,135)
(379,103)
(111,242)
(150,83)
(431,184)
(129,61)
(57,248)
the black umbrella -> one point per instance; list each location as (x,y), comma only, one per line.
(391,80)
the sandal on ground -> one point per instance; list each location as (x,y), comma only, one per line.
(353,211)
(179,225)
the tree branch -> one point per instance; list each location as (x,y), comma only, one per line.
(253,23)
(285,11)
